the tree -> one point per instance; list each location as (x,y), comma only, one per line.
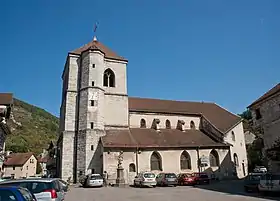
(38,168)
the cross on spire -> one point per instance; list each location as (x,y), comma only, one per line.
(94,30)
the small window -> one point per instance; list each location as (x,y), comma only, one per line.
(91,147)
(92,83)
(142,123)
(26,167)
(93,65)
(192,125)
(93,171)
(258,113)
(31,160)
(92,103)
(14,168)
(232,136)
(132,167)
(91,125)
(167,124)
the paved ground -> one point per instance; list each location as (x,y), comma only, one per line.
(217,192)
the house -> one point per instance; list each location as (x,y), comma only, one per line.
(42,160)
(6,103)
(20,165)
(266,119)
(100,125)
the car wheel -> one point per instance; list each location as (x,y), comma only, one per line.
(154,186)
(246,189)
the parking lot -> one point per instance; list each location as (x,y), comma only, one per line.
(212,192)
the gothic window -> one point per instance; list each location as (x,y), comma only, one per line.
(109,78)
(132,167)
(232,136)
(214,158)
(258,113)
(235,158)
(192,125)
(185,161)
(91,147)
(156,161)
(167,124)
(91,125)
(142,123)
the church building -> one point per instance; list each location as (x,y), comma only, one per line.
(98,121)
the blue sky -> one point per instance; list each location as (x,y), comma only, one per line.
(221,51)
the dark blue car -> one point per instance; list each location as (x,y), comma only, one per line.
(14,193)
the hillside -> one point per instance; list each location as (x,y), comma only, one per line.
(32,128)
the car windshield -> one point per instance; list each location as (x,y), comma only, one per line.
(95,177)
(170,176)
(254,177)
(149,175)
(203,176)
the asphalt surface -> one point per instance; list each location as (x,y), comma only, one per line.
(223,191)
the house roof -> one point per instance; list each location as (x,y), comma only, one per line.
(218,116)
(147,137)
(43,159)
(96,45)
(17,159)
(6,98)
(268,94)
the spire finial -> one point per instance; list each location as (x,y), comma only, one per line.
(94,30)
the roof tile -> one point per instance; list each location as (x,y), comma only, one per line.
(17,159)
(146,137)
(96,45)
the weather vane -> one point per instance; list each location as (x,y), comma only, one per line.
(94,30)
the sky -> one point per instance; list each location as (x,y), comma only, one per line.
(220,51)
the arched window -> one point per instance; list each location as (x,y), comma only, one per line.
(156,161)
(232,136)
(235,158)
(132,167)
(142,123)
(192,125)
(185,161)
(214,158)
(167,124)
(109,78)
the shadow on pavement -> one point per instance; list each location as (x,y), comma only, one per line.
(234,187)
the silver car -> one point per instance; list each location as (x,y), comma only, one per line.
(44,189)
(94,180)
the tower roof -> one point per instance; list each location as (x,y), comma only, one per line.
(96,45)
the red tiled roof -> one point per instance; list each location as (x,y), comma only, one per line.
(17,159)
(96,45)
(146,137)
(218,116)
(268,94)
(43,159)
(6,98)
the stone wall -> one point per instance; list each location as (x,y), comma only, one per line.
(170,162)
(236,138)
(270,121)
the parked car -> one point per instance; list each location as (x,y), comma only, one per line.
(200,178)
(64,184)
(185,179)
(167,179)
(269,183)
(261,169)
(145,179)
(44,189)
(15,193)
(93,180)
(251,181)
(6,178)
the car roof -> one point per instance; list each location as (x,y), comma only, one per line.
(10,187)
(30,179)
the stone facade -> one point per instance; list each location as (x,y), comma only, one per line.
(92,103)
(266,117)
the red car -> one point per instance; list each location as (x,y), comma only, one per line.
(193,179)
(186,179)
